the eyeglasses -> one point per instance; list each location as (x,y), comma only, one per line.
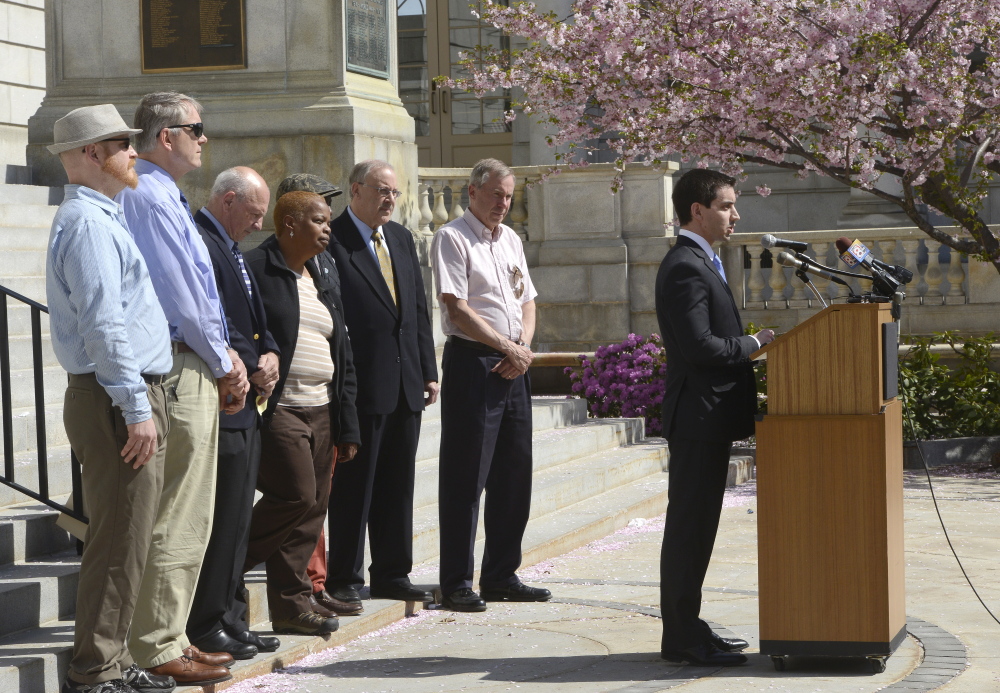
(197,129)
(385,192)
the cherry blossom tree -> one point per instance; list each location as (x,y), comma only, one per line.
(850,89)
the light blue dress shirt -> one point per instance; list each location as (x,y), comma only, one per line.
(367,232)
(179,264)
(104,316)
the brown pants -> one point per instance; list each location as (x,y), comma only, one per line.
(121,503)
(317,562)
(295,463)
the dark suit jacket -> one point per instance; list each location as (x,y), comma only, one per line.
(281,303)
(392,347)
(245,316)
(710,389)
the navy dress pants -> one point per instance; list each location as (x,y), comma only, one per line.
(375,490)
(485,446)
(697,477)
(215,602)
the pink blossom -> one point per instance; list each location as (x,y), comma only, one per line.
(852,90)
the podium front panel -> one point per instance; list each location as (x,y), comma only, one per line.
(830,364)
(830,531)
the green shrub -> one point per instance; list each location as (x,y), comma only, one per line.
(944,402)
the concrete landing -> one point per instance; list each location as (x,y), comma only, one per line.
(601,632)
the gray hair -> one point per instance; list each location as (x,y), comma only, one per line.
(485,168)
(363,169)
(233,180)
(157,111)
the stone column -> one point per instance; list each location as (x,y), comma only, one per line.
(593,254)
(297,106)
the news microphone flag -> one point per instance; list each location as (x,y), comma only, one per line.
(855,254)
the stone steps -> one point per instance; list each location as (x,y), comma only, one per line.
(29,215)
(591,477)
(37,195)
(32,287)
(19,317)
(26,474)
(24,238)
(23,261)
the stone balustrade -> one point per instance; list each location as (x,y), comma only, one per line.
(948,290)
(444,196)
(593,258)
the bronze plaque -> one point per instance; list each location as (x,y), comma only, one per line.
(368,37)
(186,35)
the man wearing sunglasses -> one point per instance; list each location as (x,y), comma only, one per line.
(207,375)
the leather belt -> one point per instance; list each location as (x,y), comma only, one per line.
(474,346)
(181,348)
(154,379)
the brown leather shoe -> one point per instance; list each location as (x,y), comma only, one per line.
(186,671)
(338,607)
(212,659)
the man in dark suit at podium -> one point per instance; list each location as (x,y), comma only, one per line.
(710,401)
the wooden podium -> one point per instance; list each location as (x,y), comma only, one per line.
(830,489)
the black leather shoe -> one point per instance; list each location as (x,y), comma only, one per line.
(144,682)
(463,599)
(346,594)
(263,643)
(705,655)
(728,644)
(221,641)
(401,591)
(518,592)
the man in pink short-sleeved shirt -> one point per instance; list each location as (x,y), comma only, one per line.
(488,313)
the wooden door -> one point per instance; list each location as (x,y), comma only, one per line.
(453,128)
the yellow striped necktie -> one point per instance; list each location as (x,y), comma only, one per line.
(385,264)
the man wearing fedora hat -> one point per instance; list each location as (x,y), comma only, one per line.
(111,336)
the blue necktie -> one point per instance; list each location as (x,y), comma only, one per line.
(718,265)
(184,201)
(243,268)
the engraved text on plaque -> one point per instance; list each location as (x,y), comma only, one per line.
(183,35)
(368,37)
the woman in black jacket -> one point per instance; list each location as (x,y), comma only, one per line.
(311,413)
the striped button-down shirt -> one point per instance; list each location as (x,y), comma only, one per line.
(104,316)
(179,264)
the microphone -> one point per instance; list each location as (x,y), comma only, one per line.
(769,241)
(790,261)
(885,278)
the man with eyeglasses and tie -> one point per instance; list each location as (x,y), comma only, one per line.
(207,376)
(390,330)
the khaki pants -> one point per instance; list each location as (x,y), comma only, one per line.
(121,503)
(184,517)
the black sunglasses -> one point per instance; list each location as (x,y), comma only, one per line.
(197,129)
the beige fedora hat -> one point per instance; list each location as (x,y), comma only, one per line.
(86,125)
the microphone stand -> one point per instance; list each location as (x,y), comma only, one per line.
(801,274)
(854,275)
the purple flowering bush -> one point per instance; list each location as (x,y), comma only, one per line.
(624,380)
